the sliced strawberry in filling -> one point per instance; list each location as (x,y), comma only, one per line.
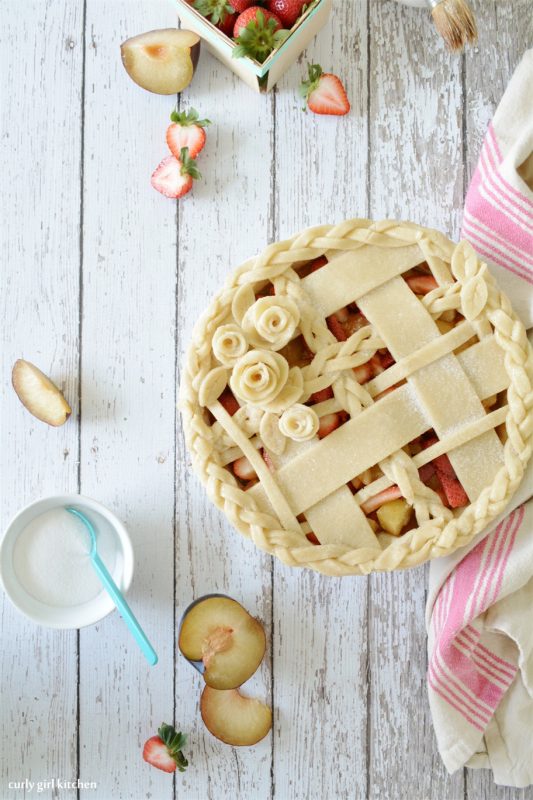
(363,373)
(228,401)
(322,395)
(321,261)
(452,488)
(243,469)
(312,538)
(421,284)
(328,423)
(373,503)
(336,327)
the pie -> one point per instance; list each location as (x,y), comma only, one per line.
(358,398)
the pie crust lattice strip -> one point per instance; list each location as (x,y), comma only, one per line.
(351,369)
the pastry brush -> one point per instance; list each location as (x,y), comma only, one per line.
(454,20)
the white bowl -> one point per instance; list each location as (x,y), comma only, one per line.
(77,616)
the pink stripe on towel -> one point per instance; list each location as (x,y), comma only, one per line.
(465,673)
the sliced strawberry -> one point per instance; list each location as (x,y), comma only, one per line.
(421,284)
(165,751)
(373,503)
(336,328)
(186,130)
(322,395)
(174,177)
(243,469)
(353,323)
(455,494)
(227,399)
(324,92)
(312,538)
(375,365)
(425,472)
(363,373)
(443,466)
(386,360)
(321,261)
(268,460)
(328,423)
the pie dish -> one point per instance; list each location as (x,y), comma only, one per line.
(358,398)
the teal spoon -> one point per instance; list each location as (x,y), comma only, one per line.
(114,592)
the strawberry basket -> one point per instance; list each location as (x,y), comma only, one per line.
(259,76)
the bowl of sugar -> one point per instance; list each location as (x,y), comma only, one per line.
(45,567)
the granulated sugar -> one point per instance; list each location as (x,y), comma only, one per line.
(51,558)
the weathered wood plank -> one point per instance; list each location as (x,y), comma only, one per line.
(41,68)
(415,173)
(128,391)
(320,623)
(505,32)
(221,224)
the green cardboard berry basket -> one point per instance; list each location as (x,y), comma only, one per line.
(260,77)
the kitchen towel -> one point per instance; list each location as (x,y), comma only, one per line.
(479,611)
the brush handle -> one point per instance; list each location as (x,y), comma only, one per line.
(416,3)
(125,611)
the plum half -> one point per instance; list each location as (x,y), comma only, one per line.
(221,634)
(161,61)
(39,394)
(233,718)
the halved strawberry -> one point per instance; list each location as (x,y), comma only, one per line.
(174,177)
(324,93)
(227,399)
(421,284)
(186,130)
(165,751)
(328,423)
(257,32)
(243,469)
(373,503)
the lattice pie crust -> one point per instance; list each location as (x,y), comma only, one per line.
(468,383)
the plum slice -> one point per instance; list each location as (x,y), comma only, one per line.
(231,644)
(233,718)
(39,394)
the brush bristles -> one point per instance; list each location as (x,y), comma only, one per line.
(455,22)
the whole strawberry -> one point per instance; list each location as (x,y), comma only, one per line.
(287,10)
(257,32)
(324,92)
(220,12)
(165,751)
(186,130)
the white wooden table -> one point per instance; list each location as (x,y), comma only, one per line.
(102,280)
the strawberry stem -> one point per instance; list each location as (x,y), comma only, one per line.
(188,164)
(308,87)
(189,117)
(174,742)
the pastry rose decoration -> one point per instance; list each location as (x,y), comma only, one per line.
(271,322)
(299,423)
(263,379)
(229,344)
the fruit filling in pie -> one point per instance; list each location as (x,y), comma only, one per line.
(362,390)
